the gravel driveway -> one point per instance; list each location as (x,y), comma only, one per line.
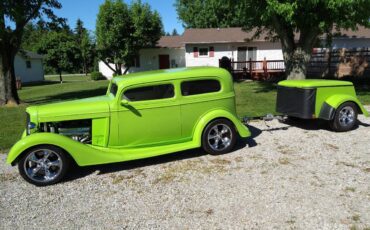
(289,176)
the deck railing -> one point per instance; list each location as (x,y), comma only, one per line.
(256,69)
(323,63)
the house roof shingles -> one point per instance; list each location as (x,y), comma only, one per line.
(170,42)
(236,35)
(30,55)
(220,35)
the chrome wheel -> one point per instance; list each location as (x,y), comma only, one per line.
(43,165)
(346,116)
(219,137)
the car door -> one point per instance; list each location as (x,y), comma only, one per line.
(149,115)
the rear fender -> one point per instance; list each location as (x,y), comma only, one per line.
(215,114)
(332,104)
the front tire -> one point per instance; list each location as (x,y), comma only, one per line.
(345,117)
(44,165)
(219,137)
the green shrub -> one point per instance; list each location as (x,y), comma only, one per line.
(96,76)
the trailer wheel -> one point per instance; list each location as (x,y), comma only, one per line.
(219,137)
(345,117)
(44,165)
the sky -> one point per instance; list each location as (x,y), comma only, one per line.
(87,11)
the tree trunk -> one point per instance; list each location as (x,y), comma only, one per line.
(85,68)
(8,88)
(2,84)
(296,63)
(60,77)
(296,54)
(126,70)
(118,68)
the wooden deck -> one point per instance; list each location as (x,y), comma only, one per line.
(336,63)
(256,70)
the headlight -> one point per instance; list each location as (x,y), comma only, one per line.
(30,125)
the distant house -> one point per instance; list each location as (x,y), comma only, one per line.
(28,67)
(168,53)
(205,47)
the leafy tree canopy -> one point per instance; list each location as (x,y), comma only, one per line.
(122,30)
(14,16)
(60,52)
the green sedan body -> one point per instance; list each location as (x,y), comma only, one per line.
(142,115)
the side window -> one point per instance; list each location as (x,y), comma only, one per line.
(199,87)
(150,93)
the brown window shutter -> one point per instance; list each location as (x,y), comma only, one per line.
(211,51)
(195,52)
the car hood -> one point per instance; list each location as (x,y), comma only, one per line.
(93,107)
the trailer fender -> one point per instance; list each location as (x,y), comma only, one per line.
(332,103)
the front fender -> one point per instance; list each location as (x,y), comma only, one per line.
(219,113)
(35,139)
(336,100)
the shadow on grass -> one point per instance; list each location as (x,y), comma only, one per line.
(265,87)
(69,96)
(363,90)
(261,87)
(41,83)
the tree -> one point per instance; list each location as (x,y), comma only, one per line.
(14,16)
(60,51)
(297,24)
(209,13)
(85,46)
(122,30)
(174,32)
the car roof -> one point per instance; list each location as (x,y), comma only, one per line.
(171,74)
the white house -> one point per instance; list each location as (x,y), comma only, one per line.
(28,67)
(205,47)
(169,53)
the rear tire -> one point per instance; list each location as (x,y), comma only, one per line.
(219,137)
(44,165)
(345,117)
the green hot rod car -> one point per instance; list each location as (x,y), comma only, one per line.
(142,115)
(330,100)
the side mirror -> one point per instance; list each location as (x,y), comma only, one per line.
(124,102)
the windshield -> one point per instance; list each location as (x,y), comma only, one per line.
(113,89)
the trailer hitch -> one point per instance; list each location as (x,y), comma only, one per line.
(268,117)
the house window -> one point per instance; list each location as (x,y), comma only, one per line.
(150,93)
(28,64)
(203,52)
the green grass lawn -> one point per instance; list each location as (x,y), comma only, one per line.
(252,99)
(12,120)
